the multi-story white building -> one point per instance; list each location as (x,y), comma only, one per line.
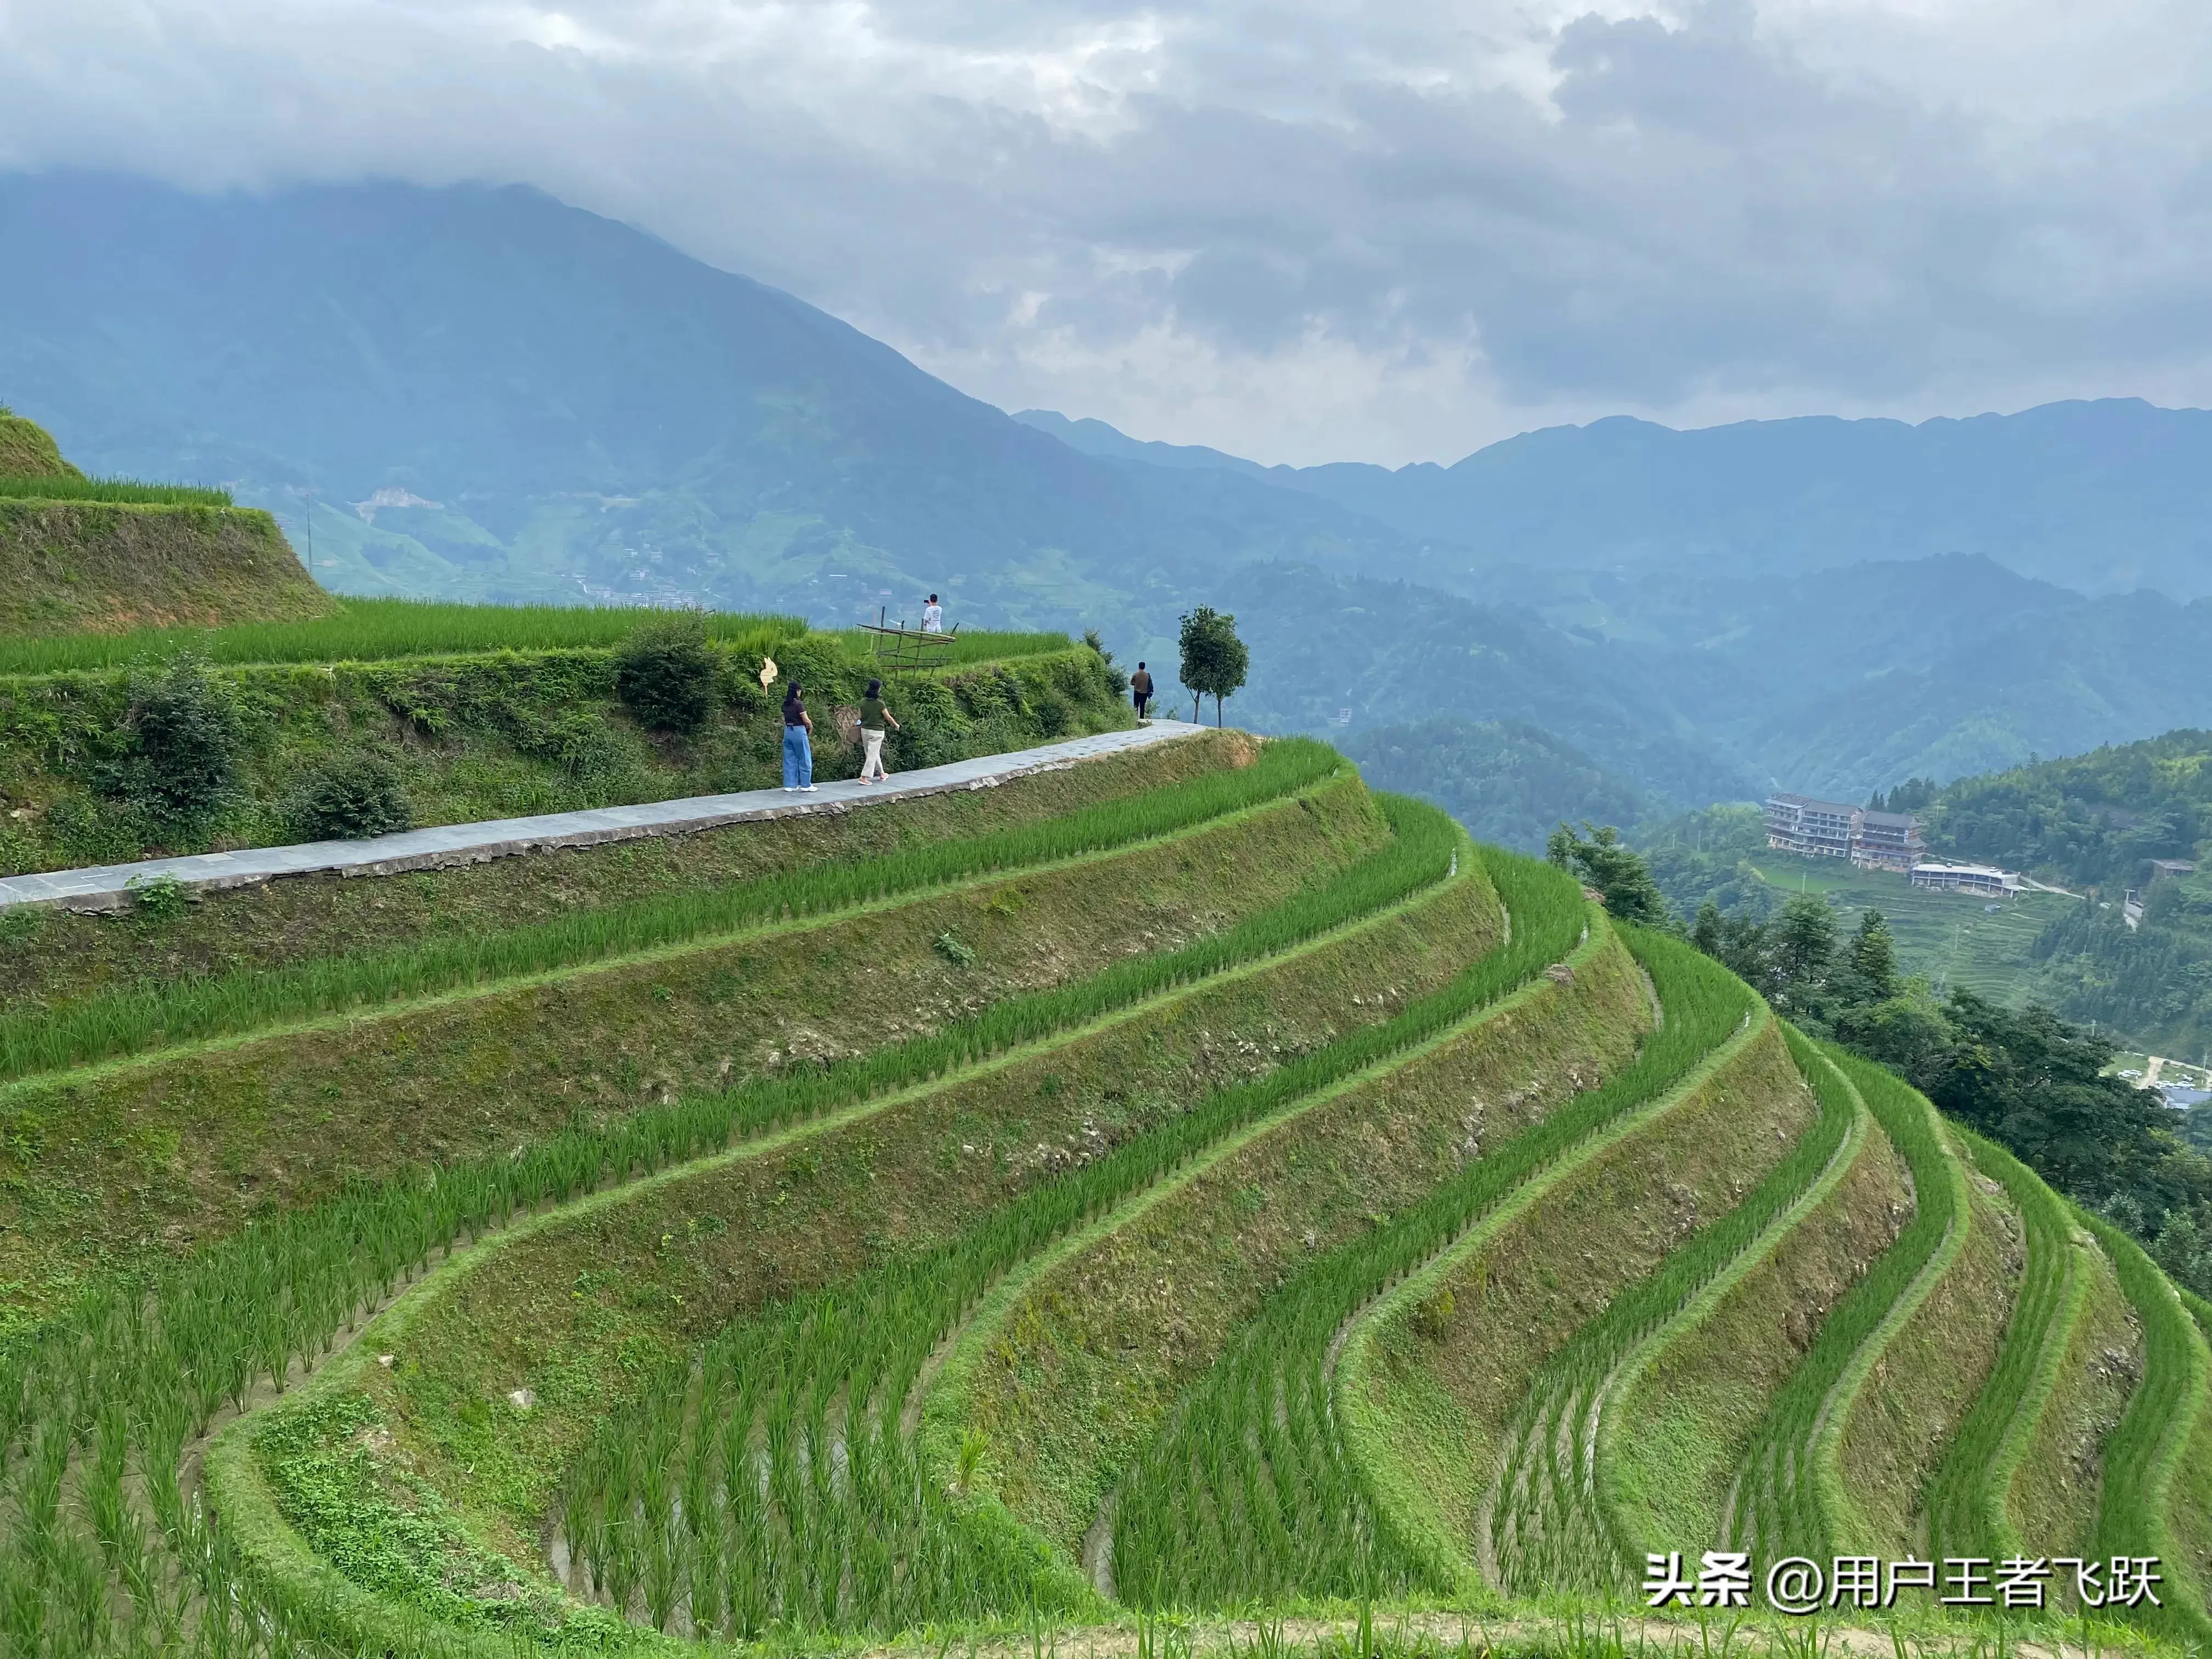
(1967,878)
(1798,823)
(1829,828)
(1888,840)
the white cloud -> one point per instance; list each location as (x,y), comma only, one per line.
(1303,229)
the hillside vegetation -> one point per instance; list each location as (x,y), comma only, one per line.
(386,715)
(1184,1183)
(79,553)
(28,451)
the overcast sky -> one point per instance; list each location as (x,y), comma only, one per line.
(1301,230)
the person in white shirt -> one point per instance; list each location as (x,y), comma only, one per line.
(932,616)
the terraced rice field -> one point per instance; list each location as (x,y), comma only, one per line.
(1196,1190)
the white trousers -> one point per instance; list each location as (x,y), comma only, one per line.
(872,761)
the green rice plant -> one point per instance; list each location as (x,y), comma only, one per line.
(62,487)
(1548,1526)
(2142,1454)
(115,1023)
(169,1350)
(831,1519)
(1787,1498)
(375,630)
(1249,1491)
(1967,1496)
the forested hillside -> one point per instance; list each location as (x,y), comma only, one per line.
(2095,823)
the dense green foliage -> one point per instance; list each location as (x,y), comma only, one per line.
(175,758)
(665,672)
(349,797)
(1611,869)
(1214,660)
(51,488)
(2087,820)
(2152,983)
(488,734)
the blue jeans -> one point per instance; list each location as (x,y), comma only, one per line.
(798,759)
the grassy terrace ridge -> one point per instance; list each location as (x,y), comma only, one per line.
(1065,1088)
(255,999)
(2146,1457)
(1542,1522)
(90,565)
(151,1154)
(1181,1188)
(1787,1498)
(1227,1504)
(27,451)
(59,959)
(1969,1509)
(376,631)
(313,749)
(1679,1423)
(1928,1366)
(1200,1255)
(51,488)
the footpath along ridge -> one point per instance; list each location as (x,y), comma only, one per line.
(106,886)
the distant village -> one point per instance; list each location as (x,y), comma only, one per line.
(1877,840)
(1892,841)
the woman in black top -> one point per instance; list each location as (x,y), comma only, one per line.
(798,751)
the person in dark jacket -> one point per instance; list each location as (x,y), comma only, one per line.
(1140,689)
(798,749)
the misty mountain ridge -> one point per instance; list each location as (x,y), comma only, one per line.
(2101,497)
(481,393)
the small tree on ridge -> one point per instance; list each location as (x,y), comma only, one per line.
(1213,658)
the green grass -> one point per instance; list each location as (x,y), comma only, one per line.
(1966,1511)
(2143,1456)
(158,1359)
(56,488)
(1550,1529)
(1250,1492)
(375,630)
(1953,939)
(884,1550)
(131,1022)
(1788,1498)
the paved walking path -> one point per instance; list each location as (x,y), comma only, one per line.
(105,886)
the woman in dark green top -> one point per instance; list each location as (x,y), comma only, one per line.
(874,716)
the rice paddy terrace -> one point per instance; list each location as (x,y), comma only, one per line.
(1179,1186)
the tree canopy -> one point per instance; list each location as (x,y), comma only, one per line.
(1613,870)
(1214,660)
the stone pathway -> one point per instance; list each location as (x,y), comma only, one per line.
(104,887)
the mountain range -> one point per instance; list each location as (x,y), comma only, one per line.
(480,392)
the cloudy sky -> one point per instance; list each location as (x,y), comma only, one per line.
(1303,230)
